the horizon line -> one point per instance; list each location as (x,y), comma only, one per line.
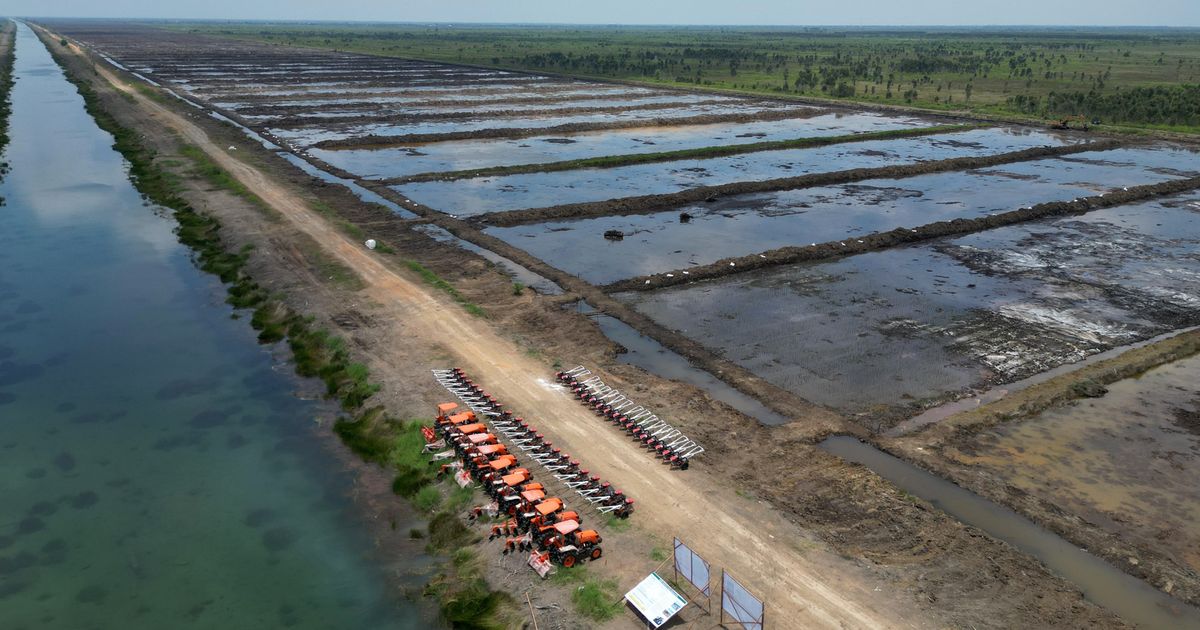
(603,24)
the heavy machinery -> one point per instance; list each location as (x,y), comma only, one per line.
(569,545)
(1080,123)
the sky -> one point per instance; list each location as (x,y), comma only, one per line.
(777,12)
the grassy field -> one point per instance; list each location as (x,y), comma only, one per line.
(1134,77)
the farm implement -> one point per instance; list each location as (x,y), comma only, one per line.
(655,434)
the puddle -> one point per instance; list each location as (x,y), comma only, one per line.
(1132,599)
(651,356)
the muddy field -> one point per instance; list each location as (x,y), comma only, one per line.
(874,338)
(1126,461)
(974,311)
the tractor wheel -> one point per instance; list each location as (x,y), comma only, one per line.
(568,561)
(596,553)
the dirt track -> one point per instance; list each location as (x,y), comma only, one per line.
(811,589)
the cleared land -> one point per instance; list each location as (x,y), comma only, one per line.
(847,285)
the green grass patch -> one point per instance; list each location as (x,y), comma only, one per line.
(437,282)
(428,498)
(210,171)
(460,498)
(598,600)
(448,533)
(617,524)
(347,227)
(6,83)
(658,554)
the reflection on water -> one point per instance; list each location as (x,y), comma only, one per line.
(532,190)
(746,224)
(157,470)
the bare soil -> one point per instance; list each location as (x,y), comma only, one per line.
(826,543)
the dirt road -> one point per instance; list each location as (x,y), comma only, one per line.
(804,585)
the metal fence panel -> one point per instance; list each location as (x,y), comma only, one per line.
(739,604)
(692,567)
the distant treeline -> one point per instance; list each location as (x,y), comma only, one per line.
(1136,77)
(1172,105)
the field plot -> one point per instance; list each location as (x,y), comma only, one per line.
(926,322)
(513,192)
(745,224)
(1127,461)
(473,154)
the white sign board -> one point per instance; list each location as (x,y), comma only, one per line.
(655,599)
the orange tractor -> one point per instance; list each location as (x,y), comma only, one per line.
(569,545)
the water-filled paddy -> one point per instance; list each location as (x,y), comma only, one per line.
(989,307)
(158,470)
(511,192)
(469,154)
(745,224)
(315,132)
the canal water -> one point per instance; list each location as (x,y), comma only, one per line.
(158,468)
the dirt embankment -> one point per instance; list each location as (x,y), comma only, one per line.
(286,109)
(899,236)
(395,118)
(382,142)
(906,555)
(649,204)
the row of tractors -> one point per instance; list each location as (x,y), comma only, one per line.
(533,522)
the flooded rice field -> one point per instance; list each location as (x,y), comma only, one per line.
(471,154)
(316,131)
(745,224)
(1127,462)
(160,469)
(513,192)
(990,307)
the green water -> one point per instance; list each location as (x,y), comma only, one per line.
(157,467)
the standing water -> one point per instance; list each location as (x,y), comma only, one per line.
(156,469)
